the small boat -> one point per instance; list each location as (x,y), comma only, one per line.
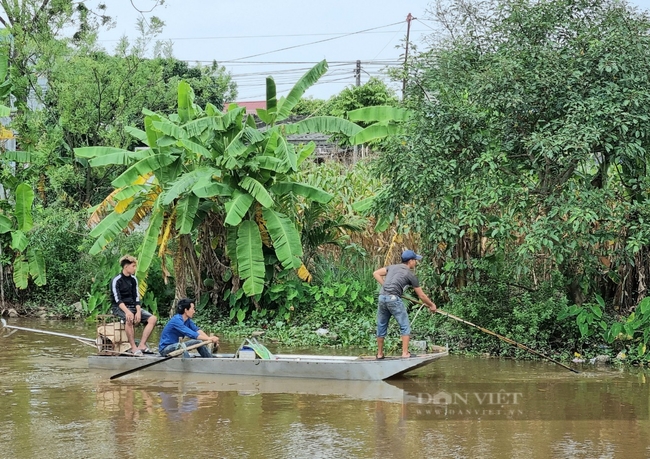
(254,361)
(279,365)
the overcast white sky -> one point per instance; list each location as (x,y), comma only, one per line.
(230,32)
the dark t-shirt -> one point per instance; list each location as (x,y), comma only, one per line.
(398,277)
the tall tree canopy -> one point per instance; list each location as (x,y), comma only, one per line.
(529,149)
(35,26)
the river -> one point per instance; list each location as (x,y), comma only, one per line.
(52,405)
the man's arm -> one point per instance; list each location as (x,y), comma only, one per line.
(425,299)
(379,275)
(136,293)
(204,337)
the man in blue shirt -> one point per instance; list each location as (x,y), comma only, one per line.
(182,326)
(394,279)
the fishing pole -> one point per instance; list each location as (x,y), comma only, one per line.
(501,337)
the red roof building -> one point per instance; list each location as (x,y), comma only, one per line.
(251,106)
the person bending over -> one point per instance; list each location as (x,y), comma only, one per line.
(394,279)
(182,326)
(125,300)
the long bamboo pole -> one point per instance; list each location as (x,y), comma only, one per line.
(80,338)
(501,337)
(164,359)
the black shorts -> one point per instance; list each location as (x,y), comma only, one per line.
(144,314)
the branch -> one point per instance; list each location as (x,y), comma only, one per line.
(40,10)
(158,3)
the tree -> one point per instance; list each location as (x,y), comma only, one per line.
(213,185)
(211,84)
(308,106)
(91,97)
(373,92)
(34,26)
(527,153)
(16,210)
(15,224)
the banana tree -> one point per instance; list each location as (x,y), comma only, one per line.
(15,224)
(209,172)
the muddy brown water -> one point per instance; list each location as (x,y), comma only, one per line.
(52,405)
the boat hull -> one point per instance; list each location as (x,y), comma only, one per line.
(286,366)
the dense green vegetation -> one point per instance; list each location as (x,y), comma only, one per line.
(517,164)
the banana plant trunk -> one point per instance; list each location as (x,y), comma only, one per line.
(186,268)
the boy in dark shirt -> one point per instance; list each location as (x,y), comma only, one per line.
(125,299)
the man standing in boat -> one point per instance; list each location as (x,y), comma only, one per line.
(182,326)
(394,279)
(125,299)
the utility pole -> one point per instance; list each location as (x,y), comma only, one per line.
(357,72)
(409,18)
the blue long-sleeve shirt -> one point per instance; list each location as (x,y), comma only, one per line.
(176,329)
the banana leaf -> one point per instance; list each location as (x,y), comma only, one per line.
(170,129)
(287,154)
(375,132)
(270,163)
(37,266)
(147,165)
(196,148)
(250,258)
(306,152)
(104,156)
(306,81)
(285,237)
(17,156)
(23,205)
(231,248)
(363,205)
(379,113)
(197,127)
(138,134)
(19,241)
(187,181)
(268,115)
(301,189)
(6,224)
(109,228)
(257,190)
(253,135)
(207,188)
(186,212)
(324,125)
(186,107)
(21,273)
(129,192)
(237,207)
(150,241)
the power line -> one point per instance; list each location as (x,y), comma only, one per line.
(330,62)
(244,37)
(315,42)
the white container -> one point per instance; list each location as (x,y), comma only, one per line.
(247,354)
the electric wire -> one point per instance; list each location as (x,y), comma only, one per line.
(315,42)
